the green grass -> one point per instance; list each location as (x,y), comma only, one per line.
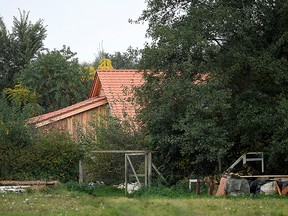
(74,200)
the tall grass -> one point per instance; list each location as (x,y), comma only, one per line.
(70,199)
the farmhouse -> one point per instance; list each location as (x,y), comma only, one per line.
(110,94)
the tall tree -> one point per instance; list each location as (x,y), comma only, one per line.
(19,47)
(240,49)
(57,78)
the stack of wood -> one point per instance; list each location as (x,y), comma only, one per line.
(21,186)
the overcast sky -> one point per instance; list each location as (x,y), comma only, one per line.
(83,24)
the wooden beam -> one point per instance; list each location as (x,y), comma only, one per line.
(265,176)
(158,172)
(132,167)
(31,183)
(70,113)
(121,151)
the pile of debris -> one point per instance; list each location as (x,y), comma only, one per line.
(131,187)
(22,186)
(247,180)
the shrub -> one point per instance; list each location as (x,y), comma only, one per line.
(110,133)
(49,156)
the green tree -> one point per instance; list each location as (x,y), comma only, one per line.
(19,47)
(240,47)
(57,78)
(125,60)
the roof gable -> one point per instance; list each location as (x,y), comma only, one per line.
(116,86)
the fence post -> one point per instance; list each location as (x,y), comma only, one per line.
(198,187)
(81,178)
(211,186)
(126,175)
(149,168)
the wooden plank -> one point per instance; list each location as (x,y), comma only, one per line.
(236,162)
(24,183)
(158,172)
(133,170)
(121,151)
(149,154)
(126,176)
(146,170)
(254,159)
(139,175)
(71,113)
(265,176)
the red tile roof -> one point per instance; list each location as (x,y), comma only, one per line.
(109,86)
(117,86)
(66,112)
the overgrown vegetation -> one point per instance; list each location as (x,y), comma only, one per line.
(50,156)
(29,154)
(215,87)
(217,83)
(109,133)
(59,200)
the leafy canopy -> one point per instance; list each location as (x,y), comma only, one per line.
(19,47)
(57,78)
(241,50)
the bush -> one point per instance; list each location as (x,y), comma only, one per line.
(112,134)
(84,188)
(49,156)
(12,125)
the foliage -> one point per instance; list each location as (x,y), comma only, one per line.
(48,156)
(240,48)
(57,78)
(27,154)
(125,60)
(109,133)
(22,97)
(114,134)
(85,188)
(19,47)
(88,69)
(105,64)
(12,125)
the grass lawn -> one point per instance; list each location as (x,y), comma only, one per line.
(61,201)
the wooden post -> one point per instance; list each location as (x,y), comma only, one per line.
(262,162)
(198,187)
(244,159)
(211,187)
(81,175)
(219,164)
(146,169)
(126,174)
(149,168)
